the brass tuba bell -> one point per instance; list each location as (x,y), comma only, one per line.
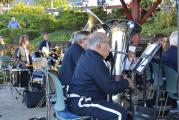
(92,20)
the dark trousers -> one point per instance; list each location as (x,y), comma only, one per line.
(99,109)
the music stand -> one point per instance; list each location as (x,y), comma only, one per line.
(142,62)
(145,58)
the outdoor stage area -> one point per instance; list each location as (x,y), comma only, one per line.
(13,109)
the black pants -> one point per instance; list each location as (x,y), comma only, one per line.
(24,78)
(100,109)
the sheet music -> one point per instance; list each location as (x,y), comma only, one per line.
(142,65)
(150,49)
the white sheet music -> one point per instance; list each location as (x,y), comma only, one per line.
(143,64)
(150,48)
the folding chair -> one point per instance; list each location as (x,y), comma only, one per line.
(60,108)
(4,66)
(171,84)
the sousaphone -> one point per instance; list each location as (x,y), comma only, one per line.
(120,33)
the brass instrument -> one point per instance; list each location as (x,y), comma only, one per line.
(92,20)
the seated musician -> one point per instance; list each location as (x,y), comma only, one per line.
(162,39)
(92,82)
(72,55)
(169,57)
(24,58)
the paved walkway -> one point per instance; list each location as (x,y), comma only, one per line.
(13,109)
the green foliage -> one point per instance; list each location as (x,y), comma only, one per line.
(31,33)
(166,19)
(56,3)
(12,35)
(30,17)
(101,13)
(118,14)
(150,28)
(73,20)
(163,22)
(77,19)
(21,8)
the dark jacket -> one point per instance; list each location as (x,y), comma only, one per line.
(169,57)
(91,78)
(44,44)
(70,60)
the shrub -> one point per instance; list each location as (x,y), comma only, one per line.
(73,20)
(31,33)
(22,8)
(10,34)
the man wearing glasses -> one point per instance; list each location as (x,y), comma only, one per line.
(92,82)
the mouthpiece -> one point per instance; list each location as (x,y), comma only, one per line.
(118,52)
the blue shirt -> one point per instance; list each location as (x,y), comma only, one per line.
(91,78)
(70,60)
(13,24)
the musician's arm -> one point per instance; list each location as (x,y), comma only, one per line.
(102,77)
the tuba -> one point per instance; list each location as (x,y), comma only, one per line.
(120,33)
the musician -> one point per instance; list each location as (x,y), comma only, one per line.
(23,52)
(169,57)
(72,55)
(24,58)
(162,39)
(92,82)
(45,44)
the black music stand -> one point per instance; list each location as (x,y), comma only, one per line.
(145,58)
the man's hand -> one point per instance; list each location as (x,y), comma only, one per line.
(132,57)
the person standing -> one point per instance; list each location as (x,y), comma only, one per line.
(24,60)
(13,23)
(45,45)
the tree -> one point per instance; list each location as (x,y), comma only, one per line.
(136,12)
(56,3)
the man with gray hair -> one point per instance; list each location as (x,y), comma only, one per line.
(72,55)
(169,57)
(92,82)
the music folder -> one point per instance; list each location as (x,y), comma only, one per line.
(145,58)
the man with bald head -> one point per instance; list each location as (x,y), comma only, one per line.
(91,82)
